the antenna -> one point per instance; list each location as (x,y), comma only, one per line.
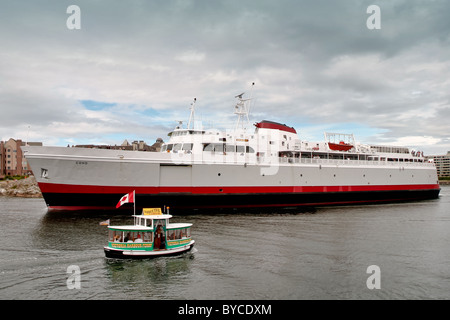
(251,96)
(192,116)
(180,124)
(28,133)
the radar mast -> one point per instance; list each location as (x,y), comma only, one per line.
(242,110)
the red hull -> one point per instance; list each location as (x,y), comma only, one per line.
(76,197)
(83,189)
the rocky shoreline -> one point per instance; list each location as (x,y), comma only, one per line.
(26,188)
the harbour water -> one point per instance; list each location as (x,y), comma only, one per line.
(319,254)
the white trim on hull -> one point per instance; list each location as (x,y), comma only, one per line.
(142,254)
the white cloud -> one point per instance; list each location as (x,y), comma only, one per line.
(191,56)
(415,141)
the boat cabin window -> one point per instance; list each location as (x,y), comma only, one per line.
(130,236)
(176,234)
(169,147)
(208,147)
(187,146)
(176,147)
(217,147)
(229,148)
(240,149)
(220,147)
(142,222)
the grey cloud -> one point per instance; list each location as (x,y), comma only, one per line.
(312,60)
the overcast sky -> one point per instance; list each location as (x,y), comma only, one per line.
(134,68)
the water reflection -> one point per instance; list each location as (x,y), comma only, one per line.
(70,231)
(151,278)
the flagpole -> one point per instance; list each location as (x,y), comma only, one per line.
(134,202)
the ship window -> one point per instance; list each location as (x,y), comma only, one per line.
(249,149)
(177,147)
(208,147)
(229,148)
(164,148)
(169,147)
(219,147)
(187,146)
(240,149)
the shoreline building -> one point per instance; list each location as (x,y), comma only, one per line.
(442,163)
(134,146)
(12,160)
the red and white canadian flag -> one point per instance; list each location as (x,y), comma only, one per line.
(129,197)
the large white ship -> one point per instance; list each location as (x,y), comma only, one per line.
(265,166)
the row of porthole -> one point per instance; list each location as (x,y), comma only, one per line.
(301,175)
(334,175)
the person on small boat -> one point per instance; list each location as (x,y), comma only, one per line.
(158,238)
(163,242)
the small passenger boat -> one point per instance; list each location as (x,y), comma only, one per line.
(151,236)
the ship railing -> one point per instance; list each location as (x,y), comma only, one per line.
(351,162)
(253,159)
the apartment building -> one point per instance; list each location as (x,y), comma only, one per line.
(442,164)
(12,160)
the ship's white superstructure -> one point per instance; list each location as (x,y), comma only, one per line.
(266,166)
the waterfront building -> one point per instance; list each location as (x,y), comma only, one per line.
(12,160)
(442,163)
(134,146)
